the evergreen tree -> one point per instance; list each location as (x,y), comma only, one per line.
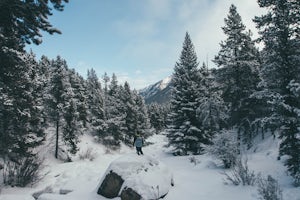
(135,112)
(21,125)
(70,128)
(21,21)
(44,74)
(74,111)
(114,115)
(21,130)
(20,24)
(78,85)
(20,84)
(131,112)
(212,112)
(238,75)
(279,30)
(106,80)
(57,98)
(143,123)
(184,132)
(95,101)
(158,116)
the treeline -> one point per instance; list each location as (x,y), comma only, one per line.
(251,93)
(44,101)
(47,93)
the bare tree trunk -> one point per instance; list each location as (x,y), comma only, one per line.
(57,135)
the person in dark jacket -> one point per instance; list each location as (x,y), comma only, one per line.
(138,142)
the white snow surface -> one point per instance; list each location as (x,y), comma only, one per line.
(200,179)
(165,82)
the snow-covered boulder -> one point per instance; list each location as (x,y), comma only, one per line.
(136,177)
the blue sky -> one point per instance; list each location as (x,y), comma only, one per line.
(138,40)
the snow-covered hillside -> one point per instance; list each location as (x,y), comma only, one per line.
(200,179)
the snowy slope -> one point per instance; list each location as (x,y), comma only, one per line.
(198,180)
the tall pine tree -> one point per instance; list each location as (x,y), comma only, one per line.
(238,74)
(184,131)
(212,111)
(58,104)
(114,114)
(21,22)
(95,102)
(279,30)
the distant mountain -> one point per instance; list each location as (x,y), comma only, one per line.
(159,92)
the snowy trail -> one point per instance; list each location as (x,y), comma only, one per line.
(196,181)
(192,181)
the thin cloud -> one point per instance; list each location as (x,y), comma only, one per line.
(143,35)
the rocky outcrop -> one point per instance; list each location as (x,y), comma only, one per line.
(133,177)
(130,194)
(111,185)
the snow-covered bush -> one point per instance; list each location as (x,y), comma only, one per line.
(88,154)
(241,174)
(269,189)
(194,160)
(111,142)
(23,172)
(224,147)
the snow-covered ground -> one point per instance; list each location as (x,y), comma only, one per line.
(201,179)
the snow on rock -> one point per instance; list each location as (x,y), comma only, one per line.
(165,82)
(145,175)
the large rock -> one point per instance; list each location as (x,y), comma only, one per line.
(134,177)
(111,185)
(130,194)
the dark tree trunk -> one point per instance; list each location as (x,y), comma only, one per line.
(57,135)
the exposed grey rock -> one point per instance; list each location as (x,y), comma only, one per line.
(131,177)
(37,194)
(65,191)
(111,185)
(130,194)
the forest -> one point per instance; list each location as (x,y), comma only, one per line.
(221,111)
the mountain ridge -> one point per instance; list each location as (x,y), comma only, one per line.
(159,92)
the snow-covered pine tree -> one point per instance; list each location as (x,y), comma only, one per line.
(21,22)
(135,112)
(143,123)
(79,88)
(57,98)
(131,112)
(95,102)
(184,128)
(279,31)
(114,116)
(21,129)
(70,128)
(74,112)
(238,73)
(157,114)
(212,112)
(27,121)
(106,80)
(44,74)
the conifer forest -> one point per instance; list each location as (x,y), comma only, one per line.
(252,92)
